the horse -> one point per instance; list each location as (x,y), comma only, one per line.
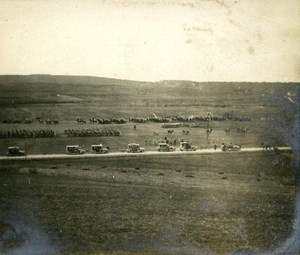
(227,130)
(93,120)
(80,120)
(185,132)
(209,130)
(242,130)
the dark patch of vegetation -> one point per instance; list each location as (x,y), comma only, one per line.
(190,176)
(33,171)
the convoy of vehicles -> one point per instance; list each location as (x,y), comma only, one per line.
(131,148)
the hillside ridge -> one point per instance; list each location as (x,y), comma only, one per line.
(95,80)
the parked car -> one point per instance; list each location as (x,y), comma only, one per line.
(15,151)
(99,149)
(164,147)
(186,146)
(74,149)
(231,147)
(134,147)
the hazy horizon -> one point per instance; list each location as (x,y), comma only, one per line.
(154,81)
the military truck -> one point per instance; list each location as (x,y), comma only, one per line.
(99,149)
(134,148)
(74,149)
(164,147)
(230,147)
(186,146)
(15,151)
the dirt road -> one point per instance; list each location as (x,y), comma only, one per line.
(125,154)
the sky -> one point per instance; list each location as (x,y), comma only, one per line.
(152,40)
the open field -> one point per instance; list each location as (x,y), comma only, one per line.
(151,204)
(66,97)
(154,204)
(270,107)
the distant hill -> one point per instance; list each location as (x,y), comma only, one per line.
(93,80)
(63,79)
(67,97)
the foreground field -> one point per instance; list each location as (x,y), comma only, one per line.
(166,204)
(190,204)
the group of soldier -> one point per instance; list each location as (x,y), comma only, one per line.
(27,133)
(92,132)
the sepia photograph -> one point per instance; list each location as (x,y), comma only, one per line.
(149,127)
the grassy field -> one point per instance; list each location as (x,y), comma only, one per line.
(62,98)
(188,204)
(155,205)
